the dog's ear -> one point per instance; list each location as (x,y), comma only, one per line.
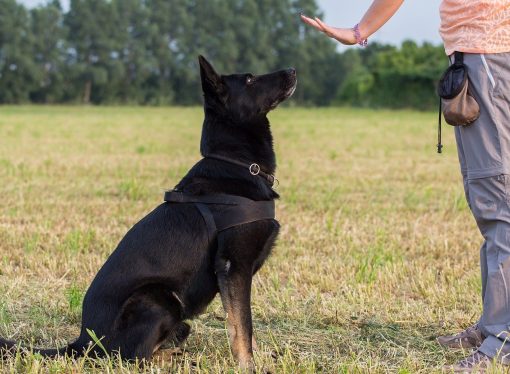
(211,81)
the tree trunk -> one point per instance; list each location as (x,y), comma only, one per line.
(86,92)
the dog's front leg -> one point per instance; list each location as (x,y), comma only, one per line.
(234,282)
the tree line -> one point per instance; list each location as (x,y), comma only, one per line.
(144,52)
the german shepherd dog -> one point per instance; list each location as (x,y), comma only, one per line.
(167,268)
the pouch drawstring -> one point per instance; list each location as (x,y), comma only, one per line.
(439,142)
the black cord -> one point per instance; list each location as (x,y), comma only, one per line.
(439,142)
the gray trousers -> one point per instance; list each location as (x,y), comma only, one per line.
(484,154)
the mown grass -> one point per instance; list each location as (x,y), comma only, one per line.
(378,253)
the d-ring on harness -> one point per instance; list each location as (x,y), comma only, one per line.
(221,211)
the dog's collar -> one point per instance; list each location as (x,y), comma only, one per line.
(253,168)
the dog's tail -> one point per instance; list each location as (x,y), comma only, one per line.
(9,348)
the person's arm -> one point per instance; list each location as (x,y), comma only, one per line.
(376,16)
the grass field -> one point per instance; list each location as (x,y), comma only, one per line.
(378,253)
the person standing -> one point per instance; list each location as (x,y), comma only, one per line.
(481,30)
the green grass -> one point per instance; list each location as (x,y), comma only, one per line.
(378,253)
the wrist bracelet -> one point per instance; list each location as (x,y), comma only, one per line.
(357,35)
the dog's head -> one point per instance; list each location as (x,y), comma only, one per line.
(245,98)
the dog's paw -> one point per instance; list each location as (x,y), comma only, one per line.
(181,333)
(178,336)
(254,345)
(247,365)
(166,354)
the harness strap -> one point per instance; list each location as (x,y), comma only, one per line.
(221,212)
(208,219)
(220,199)
(244,214)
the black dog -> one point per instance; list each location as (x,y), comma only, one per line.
(212,234)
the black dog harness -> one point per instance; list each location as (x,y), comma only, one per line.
(221,211)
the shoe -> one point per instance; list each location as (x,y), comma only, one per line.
(471,337)
(476,363)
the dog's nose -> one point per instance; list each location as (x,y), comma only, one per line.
(291,71)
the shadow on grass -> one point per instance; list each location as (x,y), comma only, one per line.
(368,345)
(406,345)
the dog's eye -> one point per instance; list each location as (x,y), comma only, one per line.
(250,79)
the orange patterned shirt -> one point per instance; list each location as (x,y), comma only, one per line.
(475,26)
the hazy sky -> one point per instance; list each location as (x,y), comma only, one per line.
(417,19)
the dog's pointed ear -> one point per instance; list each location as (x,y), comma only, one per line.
(211,81)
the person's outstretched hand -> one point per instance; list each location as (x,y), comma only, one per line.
(344,36)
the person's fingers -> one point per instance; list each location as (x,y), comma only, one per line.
(323,25)
(344,36)
(325,28)
(307,20)
(319,25)
(310,22)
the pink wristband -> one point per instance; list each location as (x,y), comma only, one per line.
(357,35)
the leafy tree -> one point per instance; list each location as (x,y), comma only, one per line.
(18,72)
(92,28)
(48,51)
(133,34)
(172,70)
(358,80)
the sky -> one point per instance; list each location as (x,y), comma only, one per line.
(417,19)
